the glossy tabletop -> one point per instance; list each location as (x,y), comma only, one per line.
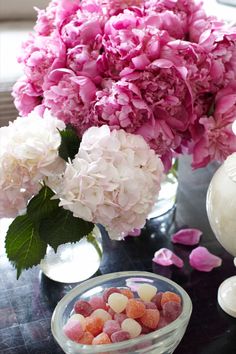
(26,305)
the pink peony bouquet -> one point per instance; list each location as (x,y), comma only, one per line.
(161,69)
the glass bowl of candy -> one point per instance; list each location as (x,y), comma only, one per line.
(125,312)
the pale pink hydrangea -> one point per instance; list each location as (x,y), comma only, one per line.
(100,185)
(28,155)
(113,7)
(69,98)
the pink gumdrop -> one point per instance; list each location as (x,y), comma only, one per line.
(111,327)
(145,329)
(108,292)
(120,336)
(83,307)
(97,302)
(171,310)
(73,330)
(150,305)
(162,322)
(157,300)
(120,317)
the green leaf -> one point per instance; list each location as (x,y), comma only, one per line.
(41,205)
(24,247)
(63,227)
(70,143)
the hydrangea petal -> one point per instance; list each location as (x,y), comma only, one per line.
(201,259)
(166,257)
(187,237)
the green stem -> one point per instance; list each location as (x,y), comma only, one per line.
(92,239)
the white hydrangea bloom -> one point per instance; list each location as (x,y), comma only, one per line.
(113,180)
(28,155)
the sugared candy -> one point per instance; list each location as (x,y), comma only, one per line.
(111,327)
(120,336)
(150,305)
(97,302)
(120,317)
(87,338)
(170,296)
(146,291)
(102,338)
(135,308)
(157,300)
(150,318)
(171,310)
(80,318)
(128,293)
(83,307)
(94,325)
(117,302)
(132,327)
(104,315)
(73,330)
(108,292)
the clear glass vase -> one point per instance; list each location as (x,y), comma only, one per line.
(74,262)
(167,197)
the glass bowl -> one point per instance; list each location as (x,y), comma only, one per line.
(161,341)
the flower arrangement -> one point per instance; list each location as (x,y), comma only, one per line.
(111,91)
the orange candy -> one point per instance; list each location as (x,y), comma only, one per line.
(128,293)
(135,308)
(102,338)
(151,318)
(169,296)
(94,325)
(87,338)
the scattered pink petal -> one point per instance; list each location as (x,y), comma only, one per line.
(166,257)
(135,232)
(187,237)
(201,259)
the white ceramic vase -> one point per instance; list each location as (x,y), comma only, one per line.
(221,211)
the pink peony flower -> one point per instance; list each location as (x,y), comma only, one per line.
(201,259)
(41,56)
(26,96)
(69,98)
(217,140)
(120,105)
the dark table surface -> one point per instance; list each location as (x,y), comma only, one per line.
(26,305)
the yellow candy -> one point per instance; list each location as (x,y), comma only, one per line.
(132,327)
(117,302)
(146,292)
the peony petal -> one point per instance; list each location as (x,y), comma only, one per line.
(166,257)
(201,259)
(187,237)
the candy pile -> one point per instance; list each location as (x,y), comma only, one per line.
(120,314)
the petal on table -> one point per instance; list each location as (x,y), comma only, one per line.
(187,237)
(166,257)
(201,259)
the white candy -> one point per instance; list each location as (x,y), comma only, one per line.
(117,302)
(146,292)
(131,326)
(104,315)
(80,319)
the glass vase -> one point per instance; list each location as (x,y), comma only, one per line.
(166,199)
(74,262)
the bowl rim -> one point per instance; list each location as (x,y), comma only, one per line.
(94,282)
